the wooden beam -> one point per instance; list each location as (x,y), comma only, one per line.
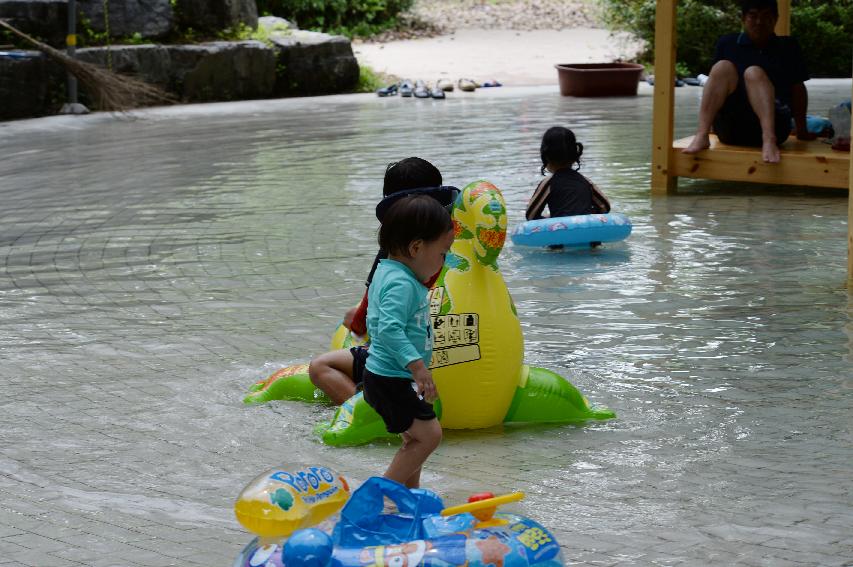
(663,114)
(850,213)
(783,24)
(810,164)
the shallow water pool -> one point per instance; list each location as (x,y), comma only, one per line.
(153,267)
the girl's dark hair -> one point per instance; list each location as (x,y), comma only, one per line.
(560,147)
(415,217)
(747,5)
(410,173)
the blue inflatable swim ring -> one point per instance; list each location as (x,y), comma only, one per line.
(579,230)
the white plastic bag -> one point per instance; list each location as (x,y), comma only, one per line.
(839,115)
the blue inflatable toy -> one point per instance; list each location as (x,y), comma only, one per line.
(579,230)
(422,532)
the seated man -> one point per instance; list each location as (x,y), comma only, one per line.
(755,86)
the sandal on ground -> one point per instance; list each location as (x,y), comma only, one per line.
(406,88)
(492,83)
(467,85)
(421,90)
(445,84)
(390,90)
(437,92)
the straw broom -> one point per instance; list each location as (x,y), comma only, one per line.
(109,91)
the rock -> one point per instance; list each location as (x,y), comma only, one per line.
(275,24)
(30,85)
(151,63)
(203,72)
(216,15)
(222,70)
(312,63)
(149,18)
(44,19)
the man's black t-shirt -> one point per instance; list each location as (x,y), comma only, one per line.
(781,59)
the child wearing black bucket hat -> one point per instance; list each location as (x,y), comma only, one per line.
(338,373)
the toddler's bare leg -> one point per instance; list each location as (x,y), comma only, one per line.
(419,442)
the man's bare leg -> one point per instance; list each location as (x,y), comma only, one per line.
(762,98)
(721,83)
(332,373)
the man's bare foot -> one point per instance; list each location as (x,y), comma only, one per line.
(770,152)
(697,144)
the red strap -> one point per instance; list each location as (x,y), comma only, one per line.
(431,282)
(359,320)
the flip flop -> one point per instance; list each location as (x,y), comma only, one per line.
(445,85)
(390,90)
(421,90)
(437,92)
(492,83)
(467,85)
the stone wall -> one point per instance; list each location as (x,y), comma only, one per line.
(213,15)
(45,19)
(148,18)
(298,63)
(30,85)
(314,63)
(293,63)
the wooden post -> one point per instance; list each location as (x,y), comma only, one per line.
(783,24)
(850,214)
(663,114)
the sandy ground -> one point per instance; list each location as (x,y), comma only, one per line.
(509,56)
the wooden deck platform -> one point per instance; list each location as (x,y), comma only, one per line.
(803,163)
(813,164)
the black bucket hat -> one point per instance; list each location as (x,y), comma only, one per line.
(445,194)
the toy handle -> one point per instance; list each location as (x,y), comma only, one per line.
(483,504)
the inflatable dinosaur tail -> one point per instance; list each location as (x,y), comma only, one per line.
(354,423)
(546,397)
(290,383)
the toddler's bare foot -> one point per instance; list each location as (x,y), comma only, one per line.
(770,151)
(697,144)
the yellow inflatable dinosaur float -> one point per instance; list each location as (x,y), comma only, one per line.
(478,351)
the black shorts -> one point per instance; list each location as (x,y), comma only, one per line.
(359,360)
(395,400)
(737,124)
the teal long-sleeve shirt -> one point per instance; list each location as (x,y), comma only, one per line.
(397,321)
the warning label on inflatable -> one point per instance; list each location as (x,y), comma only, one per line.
(436,296)
(455,338)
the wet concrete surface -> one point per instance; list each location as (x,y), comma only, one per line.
(153,266)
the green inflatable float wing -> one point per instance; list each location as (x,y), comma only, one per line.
(290,383)
(546,397)
(354,423)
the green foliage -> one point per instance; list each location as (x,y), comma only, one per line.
(824,30)
(369,80)
(345,17)
(86,36)
(243,32)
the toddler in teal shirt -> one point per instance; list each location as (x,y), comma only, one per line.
(417,232)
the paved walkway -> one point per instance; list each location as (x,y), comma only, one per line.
(509,56)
